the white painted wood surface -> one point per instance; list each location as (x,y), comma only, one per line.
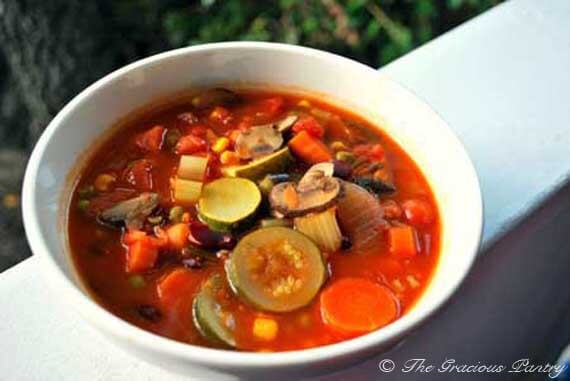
(501,82)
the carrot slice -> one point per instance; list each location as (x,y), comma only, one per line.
(309,149)
(355,305)
(178,235)
(141,255)
(176,286)
(403,243)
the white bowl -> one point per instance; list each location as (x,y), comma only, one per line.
(412,123)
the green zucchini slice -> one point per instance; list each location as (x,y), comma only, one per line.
(209,318)
(276,162)
(276,269)
(228,203)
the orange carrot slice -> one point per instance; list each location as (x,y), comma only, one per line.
(355,305)
(176,286)
(403,243)
(178,235)
(309,149)
(141,255)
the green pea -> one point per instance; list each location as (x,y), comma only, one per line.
(82,205)
(175,214)
(137,281)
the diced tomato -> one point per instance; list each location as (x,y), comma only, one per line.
(221,115)
(199,131)
(139,175)
(151,140)
(271,106)
(133,236)
(311,125)
(141,255)
(418,212)
(190,144)
(372,151)
(176,286)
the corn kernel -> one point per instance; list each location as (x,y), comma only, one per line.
(229,158)
(338,146)
(265,329)
(221,144)
(304,103)
(104,182)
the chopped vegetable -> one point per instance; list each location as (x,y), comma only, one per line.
(192,167)
(187,191)
(342,169)
(322,228)
(178,235)
(403,242)
(137,281)
(132,212)
(310,125)
(316,192)
(418,212)
(210,318)
(272,222)
(215,97)
(221,115)
(172,137)
(309,149)
(175,214)
(273,163)
(360,217)
(87,192)
(83,205)
(356,305)
(202,236)
(221,144)
(338,146)
(258,141)
(104,182)
(229,158)
(152,139)
(141,255)
(176,286)
(227,203)
(139,175)
(190,144)
(347,157)
(284,125)
(265,328)
(276,269)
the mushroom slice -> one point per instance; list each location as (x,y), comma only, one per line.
(316,192)
(131,212)
(284,125)
(258,141)
(215,97)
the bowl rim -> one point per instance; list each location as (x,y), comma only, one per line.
(103,319)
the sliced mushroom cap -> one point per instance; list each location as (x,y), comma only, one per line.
(316,192)
(284,125)
(130,213)
(258,141)
(215,97)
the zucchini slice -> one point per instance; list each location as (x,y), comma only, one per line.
(209,318)
(276,162)
(276,269)
(228,203)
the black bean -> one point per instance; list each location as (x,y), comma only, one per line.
(149,312)
(345,243)
(342,169)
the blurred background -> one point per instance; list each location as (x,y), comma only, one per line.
(50,50)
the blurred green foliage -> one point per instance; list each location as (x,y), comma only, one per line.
(374,32)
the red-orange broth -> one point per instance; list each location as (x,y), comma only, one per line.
(134,161)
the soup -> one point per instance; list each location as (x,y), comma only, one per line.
(253,221)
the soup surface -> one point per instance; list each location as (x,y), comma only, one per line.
(255,221)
